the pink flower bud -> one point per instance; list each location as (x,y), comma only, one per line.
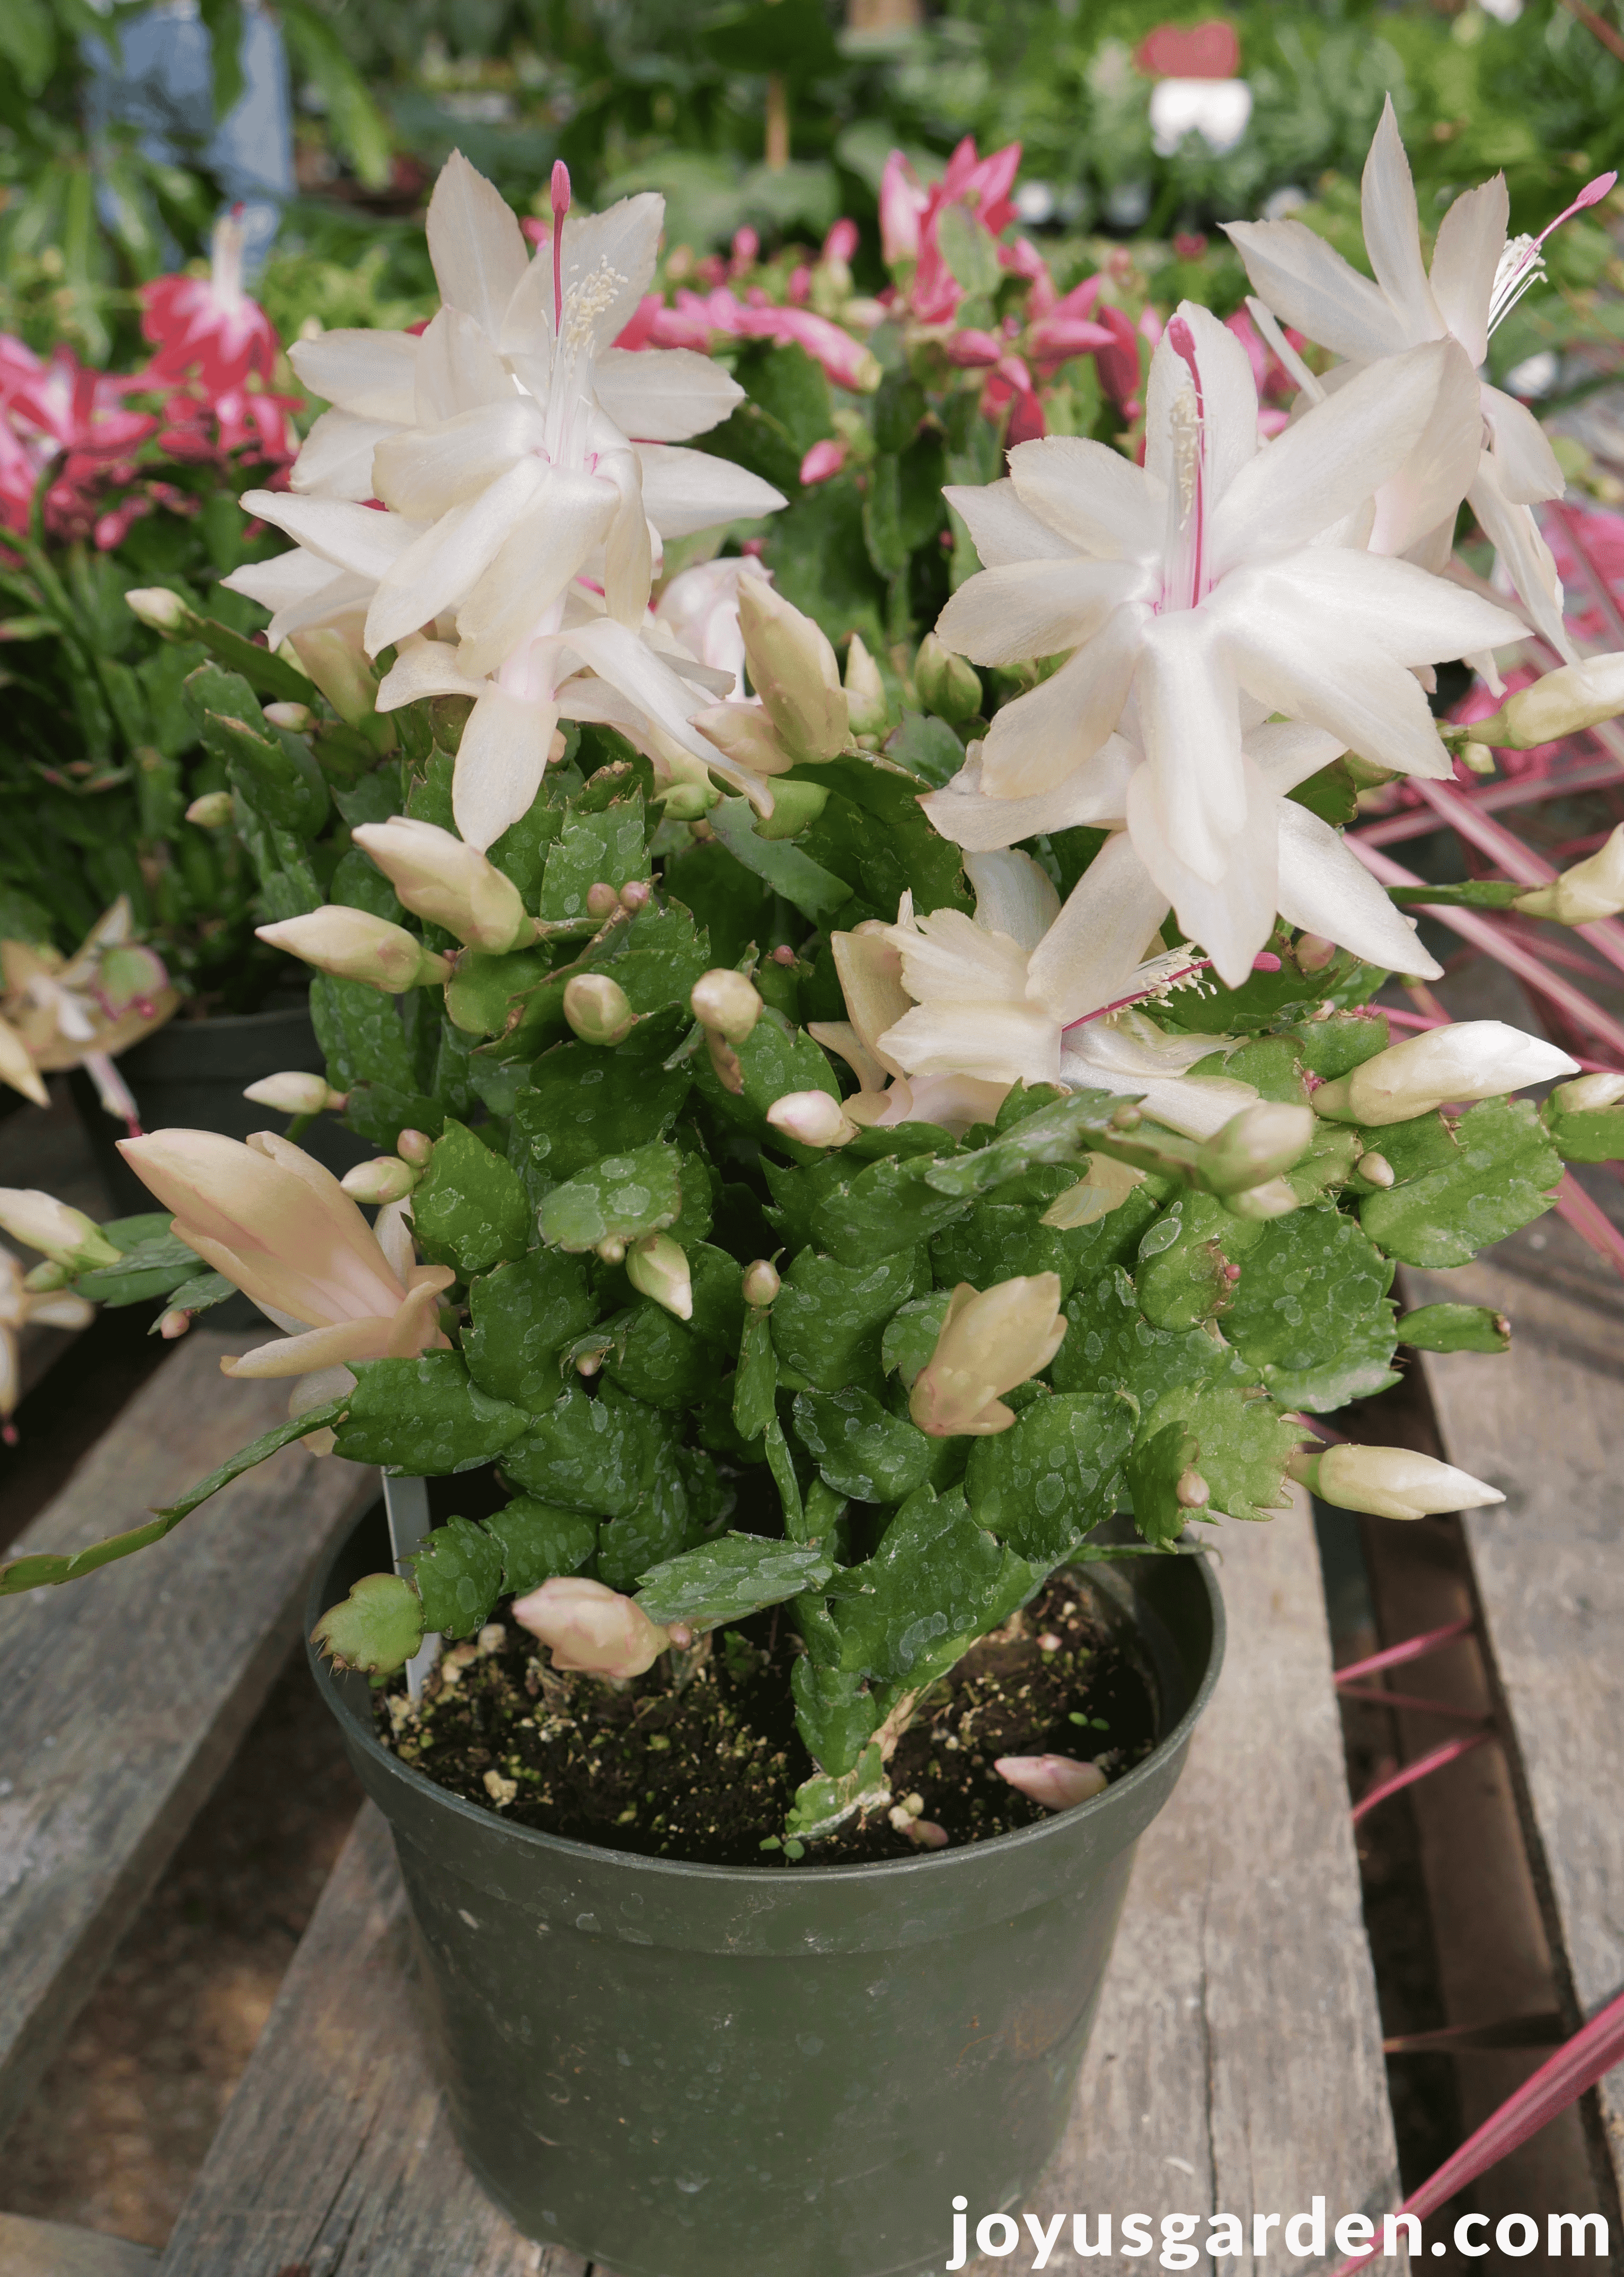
(414,1146)
(657,1267)
(296,1093)
(823,460)
(296,718)
(989,1342)
(354,945)
(725,1002)
(811,1119)
(452,884)
(173,1323)
(211,811)
(384,1179)
(592,1629)
(598,1009)
(761,1283)
(1058,1782)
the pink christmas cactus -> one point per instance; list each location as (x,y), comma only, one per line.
(69,426)
(209,325)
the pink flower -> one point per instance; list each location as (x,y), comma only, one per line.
(58,418)
(1118,364)
(841,241)
(823,460)
(208,323)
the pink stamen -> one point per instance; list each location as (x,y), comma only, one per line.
(559,193)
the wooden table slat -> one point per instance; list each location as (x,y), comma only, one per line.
(1542,1424)
(127,1692)
(56,2249)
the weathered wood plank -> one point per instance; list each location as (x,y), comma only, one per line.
(127,1692)
(56,2249)
(1236,2066)
(1542,1425)
(335,2155)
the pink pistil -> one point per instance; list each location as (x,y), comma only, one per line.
(560,207)
(1120,1003)
(1592,195)
(1265,963)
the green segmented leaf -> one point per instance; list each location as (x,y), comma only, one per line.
(730,1579)
(524,1314)
(457,1574)
(595,1455)
(879,1207)
(469,1209)
(539,1541)
(835,1714)
(860,1448)
(827,1318)
(1502,1173)
(376,1629)
(623,1196)
(424,1418)
(1044,1486)
(1455,1328)
(1310,1311)
(1240,1440)
(937,1581)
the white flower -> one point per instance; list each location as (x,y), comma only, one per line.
(1289,861)
(1198,580)
(1025,992)
(699,609)
(1476,278)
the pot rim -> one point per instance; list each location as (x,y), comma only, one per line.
(962,1857)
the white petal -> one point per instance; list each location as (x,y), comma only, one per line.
(1293,661)
(1328,461)
(350,537)
(336,460)
(1090,495)
(994,1043)
(439,569)
(300,589)
(629,556)
(1095,793)
(1524,461)
(1416,617)
(1426,491)
(1035,608)
(1313,289)
(1286,752)
(685,491)
(457,369)
(565,518)
(1470,241)
(1197,1106)
(1091,952)
(1392,230)
(1189,716)
(476,244)
(1232,915)
(372,374)
(427,470)
(627,661)
(424,667)
(500,762)
(1012,896)
(1035,743)
(1001,529)
(664,395)
(951,959)
(1524,554)
(1326,889)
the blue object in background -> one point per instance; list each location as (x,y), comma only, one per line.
(160,81)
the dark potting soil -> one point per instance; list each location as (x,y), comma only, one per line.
(708,1772)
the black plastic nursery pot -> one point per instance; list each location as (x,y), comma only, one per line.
(676,2070)
(191,1075)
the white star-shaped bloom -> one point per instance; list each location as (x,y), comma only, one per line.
(1502,463)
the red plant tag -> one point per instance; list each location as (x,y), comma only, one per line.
(1209,50)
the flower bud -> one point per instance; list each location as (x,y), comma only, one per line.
(1192,1491)
(636,893)
(947,684)
(866,707)
(334,659)
(725,1003)
(988,1343)
(354,945)
(1472,1059)
(159,610)
(1592,888)
(1274,1197)
(1575,696)
(795,805)
(211,811)
(611,1250)
(298,718)
(67,1236)
(296,1094)
(415,1148)
(761,1283)
(743,733)
(590,1628)
(46,1277)
(1388,1481)
(811,1119)
(1058,1782)
(1254,1146)
(598,1009)
(173,1324)
(793,669)
(657,1267)
(452,884)
(602,898)
(1477,758)
(1312,952)
(129,975)
(1589,1093)
(688,802)
(386,1179)
(1376,1170)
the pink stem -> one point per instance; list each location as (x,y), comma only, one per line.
(1588,2056)
(1517,860)
(1416,1648)
(1518,790)
(1421,1767)
(1528,967)
(1590,1222)
(1409,1700)
(1595,574)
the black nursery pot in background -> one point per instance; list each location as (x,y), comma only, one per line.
(676,2070)
(191,1075)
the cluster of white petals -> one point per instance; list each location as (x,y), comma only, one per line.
(528,473)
